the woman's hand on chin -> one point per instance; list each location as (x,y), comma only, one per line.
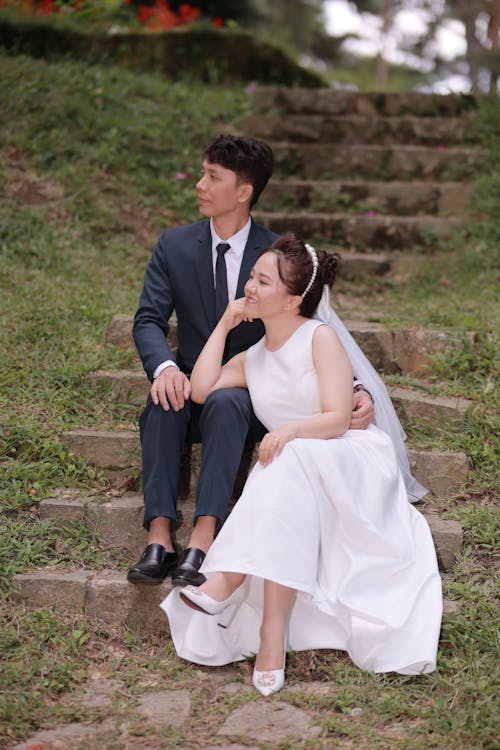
(273,443)
(234,314)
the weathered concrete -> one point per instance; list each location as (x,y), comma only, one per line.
(395,197)
(114,601)
(70,736)
(363,265)
(372,162)
(442,472)
(405,350)
(448,539)
(413,348)
(349,129)
(126,386)
(64,508)
(411,404)
(331,102)
(119,332)
(165,708)
(269,722)
(52,587)
(106,449)
(97,692)
(379,232)
(107,596)
(376,343)
(451,608)
(117,522)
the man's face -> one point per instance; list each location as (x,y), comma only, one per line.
(219,192)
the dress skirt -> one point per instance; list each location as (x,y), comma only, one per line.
(330,519)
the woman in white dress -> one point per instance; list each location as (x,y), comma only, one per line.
(323,549)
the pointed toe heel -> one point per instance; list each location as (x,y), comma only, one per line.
(271,680)
(268,682)
(225,611)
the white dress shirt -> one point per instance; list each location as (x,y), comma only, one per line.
(233,258)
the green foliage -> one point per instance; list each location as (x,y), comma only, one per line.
(96,161)
(360,73)
(204,53)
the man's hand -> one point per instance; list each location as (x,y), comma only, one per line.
(363,411)
(171,389)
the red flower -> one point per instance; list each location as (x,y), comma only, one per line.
(218,22)
(188,13)
(44,7)
(144,13)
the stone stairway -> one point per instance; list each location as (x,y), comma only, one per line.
(355,172)
(366,172)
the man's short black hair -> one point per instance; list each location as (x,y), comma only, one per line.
(251,160)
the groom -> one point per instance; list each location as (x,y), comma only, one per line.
(195,269)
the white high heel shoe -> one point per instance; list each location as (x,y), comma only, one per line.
(196,599)
(271,680)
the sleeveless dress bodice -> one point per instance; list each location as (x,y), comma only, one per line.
(277,395)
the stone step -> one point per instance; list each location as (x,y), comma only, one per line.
(401,198)
(388,163)
(117,523)
(442,472)
(373,232)
(413,405)
(330,102)
(406,351)
(351,129)
(132,387)
(119,333)
(106,596)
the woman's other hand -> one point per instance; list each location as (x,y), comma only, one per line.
(273,442)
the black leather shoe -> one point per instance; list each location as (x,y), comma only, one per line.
(187,572)
(154,565)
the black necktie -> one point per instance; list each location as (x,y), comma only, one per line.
(221,295)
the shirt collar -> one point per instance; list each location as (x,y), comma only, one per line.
(237,241)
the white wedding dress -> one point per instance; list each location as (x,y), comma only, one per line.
(331,519)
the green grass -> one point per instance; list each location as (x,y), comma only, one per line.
(89,176)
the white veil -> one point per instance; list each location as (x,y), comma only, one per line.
(385,416)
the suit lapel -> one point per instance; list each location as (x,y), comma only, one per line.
(205,272)
(255,245)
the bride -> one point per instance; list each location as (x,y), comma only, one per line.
(323,548)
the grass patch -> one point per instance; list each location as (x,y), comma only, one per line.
(95,163)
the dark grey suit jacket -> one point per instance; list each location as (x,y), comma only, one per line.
(180,277)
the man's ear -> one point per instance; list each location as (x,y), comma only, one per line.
(245,192)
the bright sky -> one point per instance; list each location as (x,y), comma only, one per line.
(341,19)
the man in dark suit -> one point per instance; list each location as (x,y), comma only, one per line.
(195,269)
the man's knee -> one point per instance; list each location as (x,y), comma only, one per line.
(155,419)
(228,401)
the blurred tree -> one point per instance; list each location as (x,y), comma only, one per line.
(298,24)
(477,55)
(482,48)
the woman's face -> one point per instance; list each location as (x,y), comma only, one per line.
(265,293)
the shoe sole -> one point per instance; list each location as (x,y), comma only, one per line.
(137,577)
(187,581)
(147,580)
